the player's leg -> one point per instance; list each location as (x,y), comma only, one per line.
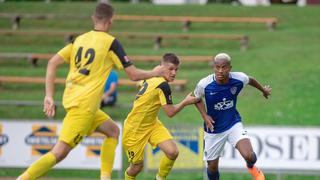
(171,152)
(74,128)
(240,140)
(134,144)
(213,169)
(245,148)
(47,161)
(133,170)
(213,148)
(108,147)
(110,129)
(161,137)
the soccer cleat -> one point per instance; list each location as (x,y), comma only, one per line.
(256,173)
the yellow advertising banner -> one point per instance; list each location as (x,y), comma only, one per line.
(190,144)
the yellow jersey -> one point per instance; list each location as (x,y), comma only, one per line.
(154,93)
(91,57)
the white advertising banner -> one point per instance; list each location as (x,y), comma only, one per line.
(23,142)
(279,148)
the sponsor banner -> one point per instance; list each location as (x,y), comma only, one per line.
(23,142)
(4,139)
(277,148)
(189,142)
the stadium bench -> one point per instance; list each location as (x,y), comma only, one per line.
(179,84)
(34,57)
(271,22)
(158,37)
(187,20)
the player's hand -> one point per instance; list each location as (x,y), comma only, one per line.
(191,99)
(161,71)
(209,123)
(49,107)
(266,91)
(104,96)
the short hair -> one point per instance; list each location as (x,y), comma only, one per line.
(222,56)
(103,11)
(170,58)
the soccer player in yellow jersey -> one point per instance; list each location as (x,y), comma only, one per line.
(142,125)
(90,57)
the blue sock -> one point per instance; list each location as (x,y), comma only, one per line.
(254,160)
(213,175)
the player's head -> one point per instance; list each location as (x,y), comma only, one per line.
(222,66)
(103,14)
(171,62)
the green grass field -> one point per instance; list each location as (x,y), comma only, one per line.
(286,59)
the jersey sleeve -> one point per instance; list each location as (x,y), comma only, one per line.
(242,77)
(165,93)
(199,90)
(118,55)
(65,52)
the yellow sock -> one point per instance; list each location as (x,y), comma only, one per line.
(166,165)
(107,154)
(127,177)
(40,167)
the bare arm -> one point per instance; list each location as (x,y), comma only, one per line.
(48,104)
(172,110)
(266,90)
(137,74)
(206,118)
(134,73)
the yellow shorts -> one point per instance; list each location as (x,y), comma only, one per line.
(79,123)
(134,142)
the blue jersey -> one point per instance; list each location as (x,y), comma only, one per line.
(221,99)
(113,78)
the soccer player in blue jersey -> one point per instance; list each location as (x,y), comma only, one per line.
(222,121)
